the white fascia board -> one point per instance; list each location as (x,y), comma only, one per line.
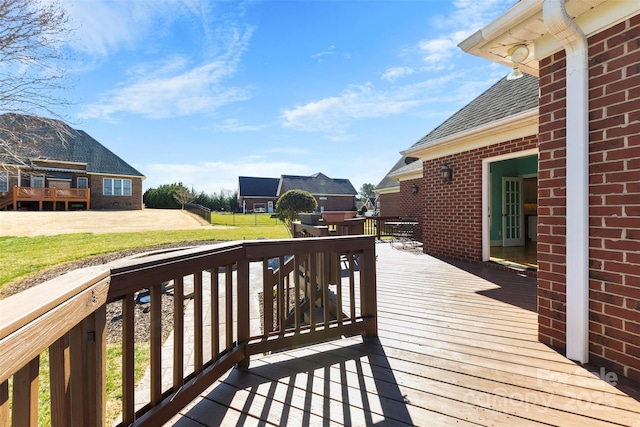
(388,190)
(513,127)
(408,175)
(112,175)
(592,22)
(36,159)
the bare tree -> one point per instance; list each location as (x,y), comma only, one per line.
(32,73)
(183,195)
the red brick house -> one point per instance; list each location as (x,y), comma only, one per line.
(585,59)
(55,167)
(257,194)
(331,194)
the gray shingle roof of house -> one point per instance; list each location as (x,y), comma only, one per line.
(318,184)
(257,187)
(389,182)
(72,145)
(503,99)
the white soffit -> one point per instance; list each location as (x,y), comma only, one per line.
(523,24)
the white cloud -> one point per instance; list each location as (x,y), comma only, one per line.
(437,53)
(234,125)
(327,52)
(174,89)
(393,74)
(102,27)
(356,102)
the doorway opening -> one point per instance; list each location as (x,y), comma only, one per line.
(510,199)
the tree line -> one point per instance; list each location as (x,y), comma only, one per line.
(176,195)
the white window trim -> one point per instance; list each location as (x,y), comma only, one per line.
(35,178)
(4,182)
(112,185)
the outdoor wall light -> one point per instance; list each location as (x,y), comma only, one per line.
(446,172)
(414,188)
(518,53)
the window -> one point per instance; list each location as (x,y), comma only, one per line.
(4,182)
(37,181)
(83,182)
(116,187)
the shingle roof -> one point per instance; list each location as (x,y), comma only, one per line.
(318,184)
(389,182)
(503,99)
(54,140)
(258,187)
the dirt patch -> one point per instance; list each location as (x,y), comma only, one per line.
(20,223)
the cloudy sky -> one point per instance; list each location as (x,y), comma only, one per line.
(201,92)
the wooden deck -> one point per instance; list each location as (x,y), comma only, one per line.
(456,347)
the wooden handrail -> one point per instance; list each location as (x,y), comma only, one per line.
(315,300)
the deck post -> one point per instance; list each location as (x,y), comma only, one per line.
(368,289)
(243,309)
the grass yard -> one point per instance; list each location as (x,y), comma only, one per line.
(20,256)
(243,220)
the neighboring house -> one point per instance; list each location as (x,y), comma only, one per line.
(261,194)
(257,194)
(60,168)
(551,162)
(331,194)
(390,201)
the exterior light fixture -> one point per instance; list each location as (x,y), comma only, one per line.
(446,172)
(414,188)
(518,53)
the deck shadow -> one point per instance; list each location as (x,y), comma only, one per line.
(349,385)
(513,288)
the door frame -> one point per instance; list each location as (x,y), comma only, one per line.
(486,195)
(518,216)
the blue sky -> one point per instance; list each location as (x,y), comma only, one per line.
(202,92)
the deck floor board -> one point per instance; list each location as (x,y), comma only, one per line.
(457,346)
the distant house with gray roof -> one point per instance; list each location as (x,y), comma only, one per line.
(256,194)
(55,167)
(330,193)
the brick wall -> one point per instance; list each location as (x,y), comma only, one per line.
(252,203)
(100,201)
(614,199)
(390,204)
(451,218)
(336,203)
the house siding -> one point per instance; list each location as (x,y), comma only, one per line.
(451,217)
(614,200)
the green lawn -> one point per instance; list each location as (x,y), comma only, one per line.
(243,220)
(21,256)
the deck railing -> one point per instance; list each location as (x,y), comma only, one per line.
(313,290)
(52,195)
(387,226)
